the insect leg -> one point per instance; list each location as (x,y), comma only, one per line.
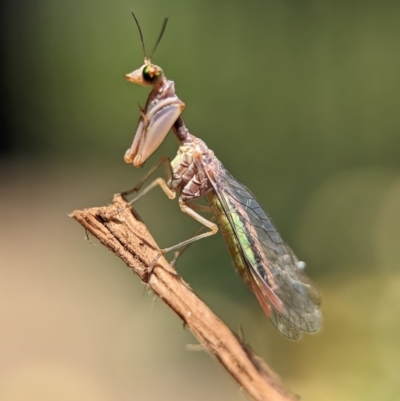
(189,210)
(202,208)
(158,181)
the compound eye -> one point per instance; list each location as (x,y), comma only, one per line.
(152,74)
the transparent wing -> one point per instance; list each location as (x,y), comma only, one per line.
(276,276)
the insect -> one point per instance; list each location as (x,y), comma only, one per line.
(266,264)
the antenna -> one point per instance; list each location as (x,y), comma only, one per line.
(141,35)
(159,37)
(147,59)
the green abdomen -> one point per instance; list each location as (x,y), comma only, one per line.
(229,235)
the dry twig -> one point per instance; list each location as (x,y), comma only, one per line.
(129,239)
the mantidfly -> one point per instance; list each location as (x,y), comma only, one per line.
(266,264)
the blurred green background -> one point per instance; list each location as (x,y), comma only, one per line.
(299,99)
